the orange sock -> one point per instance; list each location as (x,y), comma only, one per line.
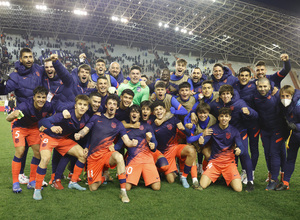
(122,180)
(194,171)
(77,171)
(15,169)
(181,166)
(33,168)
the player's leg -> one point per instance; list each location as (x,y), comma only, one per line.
(171,177)
(253,133)
(236,185)
(33,166)
(232,177)
(205,181)
(265,139)
(150,175)
(156,186)
(77,151)
(189,153)
(211,174)
(16,167)
(133,174)
(56,156)
(117,159)
(160,161)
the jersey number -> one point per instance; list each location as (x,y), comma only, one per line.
(129,170)
(17,134)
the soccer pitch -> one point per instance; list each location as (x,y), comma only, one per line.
(171,202)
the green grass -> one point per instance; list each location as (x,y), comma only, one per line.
(171,202)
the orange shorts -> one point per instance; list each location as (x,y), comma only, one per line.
(170,155)
(62,145)
(215,169)
(156,155)
(32,135)
(148,170)
(96,162)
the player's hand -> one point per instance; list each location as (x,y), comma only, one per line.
(193,93)
(77,136)
(284,57)
(125,81)
(97,113)
(56,129)
(201,140)
(189,125)
(148,136)
(91,85)
(134,142)
(153,97)
(275,89)
(42,129)
(180,126)
(245,111)
(200,96)
(143,84)
(158,122)
(66,114)
(237,151)
(53,57)
(82,56)
(194,118)
(85,152)
(207,131)
(112,90)
(151,145)
(111,147)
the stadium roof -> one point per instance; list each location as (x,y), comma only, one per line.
(227,29)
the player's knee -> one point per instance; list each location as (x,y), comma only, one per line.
(128,186)
(45,160)
(162,164)
(93,187)
(170,178)
(156,186)
(190,151)
(238,188)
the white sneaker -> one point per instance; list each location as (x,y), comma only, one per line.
(23,179)
(244,177)
(45,183)
(253,174)
(123,196)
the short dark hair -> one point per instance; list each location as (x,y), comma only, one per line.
(102,77)
(218,64)
(127,91)
(113,97)
(95,94)
(208,82)
(82,97)
(157,103)
(144,75)
(160,84)
(224,111)
(146,103)
(135,67)
(244,69)
(202,107)
(260,63)
(184,85)
(25,50)
(40,89)
(47,60)
(197,68)
(136,108)
(100,61)
(226,88)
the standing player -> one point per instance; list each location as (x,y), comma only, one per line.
(222,159)
(24,127)
(104,129)
(56,135)
(126,98)
(140,160)
(222,75)
(196,79)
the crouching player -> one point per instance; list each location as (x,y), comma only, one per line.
(57,135)
(222,159)
(104,129)
(139,159)
(24,127)
(167,135)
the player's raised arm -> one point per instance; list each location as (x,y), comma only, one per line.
(128,142)
(15,114)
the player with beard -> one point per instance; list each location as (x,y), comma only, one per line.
(165,77)
(196,79)
(116,72)
(222,75)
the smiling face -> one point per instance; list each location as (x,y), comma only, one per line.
(165,76)
(180,68)
(111,107)
(184,93)
(27,59)
(224,120)
(218,72)
(146,112)
(159,112)
(196,75)
(207,90)
(261,71)
(203,115)
(81,106)
(134,116)
(95,103)
(83,75)
(244,77)
(102,86)
(226,97)
(126,100)
(49,69)
(114,69)
(160,93)
(39,100)
(135,76)
(263,87)
(100,68)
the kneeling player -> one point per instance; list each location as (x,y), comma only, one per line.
(139,159)
(24,126)
(222,159)
(104,129)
